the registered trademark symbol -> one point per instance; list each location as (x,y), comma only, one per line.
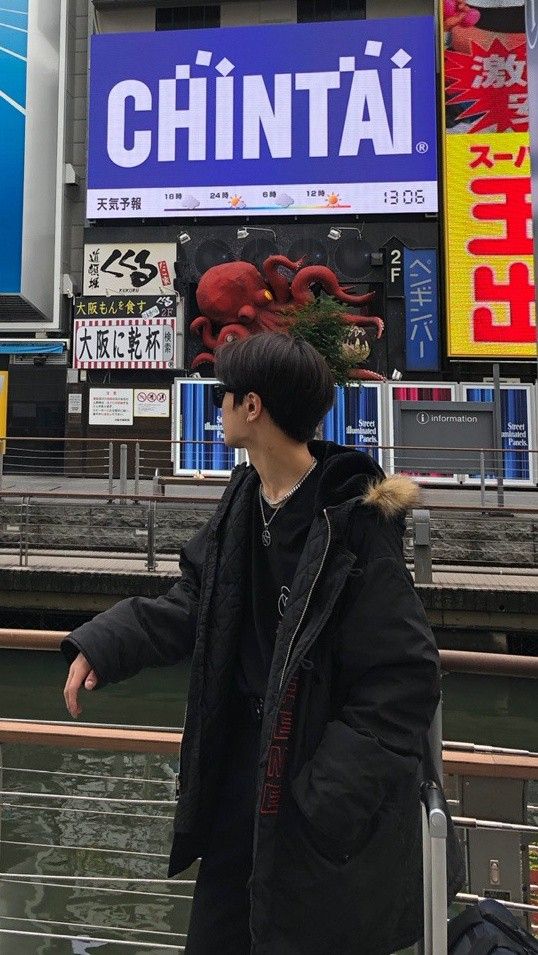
(422,147)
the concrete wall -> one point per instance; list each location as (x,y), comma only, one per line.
(258,11)
(379,9)
(126,20)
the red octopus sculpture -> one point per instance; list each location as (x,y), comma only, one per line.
(237,301)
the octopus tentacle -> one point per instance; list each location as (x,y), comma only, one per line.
(202,326)
(202,358)
(366,320)
(232,332)
(363,374)
(279,284)
(300,286)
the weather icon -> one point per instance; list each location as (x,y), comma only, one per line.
(189,202)
(282,199)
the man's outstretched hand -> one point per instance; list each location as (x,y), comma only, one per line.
(80,674)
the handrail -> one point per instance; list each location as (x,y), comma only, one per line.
(492,664)
(105,739)
(506,511)
(469,899)
(490,765)
(31,639)
(452,661)
(102,739)
(144,439)
(115,495)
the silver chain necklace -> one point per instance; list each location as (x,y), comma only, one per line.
(266,533)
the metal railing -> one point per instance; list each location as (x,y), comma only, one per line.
(150,791)
(133,460)
(151,528)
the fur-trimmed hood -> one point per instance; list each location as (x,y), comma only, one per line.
(347,474)
(393,495)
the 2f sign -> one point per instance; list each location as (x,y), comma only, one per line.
(395,276)
(396,265)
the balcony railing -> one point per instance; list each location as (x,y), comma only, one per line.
(145,800)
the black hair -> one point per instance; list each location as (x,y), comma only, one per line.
(292,379)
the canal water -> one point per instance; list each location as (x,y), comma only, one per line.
(53,841)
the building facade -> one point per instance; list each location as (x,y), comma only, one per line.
(105,260)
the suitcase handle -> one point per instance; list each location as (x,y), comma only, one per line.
(434,834)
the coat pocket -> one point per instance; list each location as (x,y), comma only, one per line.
(332,851)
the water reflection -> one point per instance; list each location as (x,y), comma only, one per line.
(108,844)
(76,838)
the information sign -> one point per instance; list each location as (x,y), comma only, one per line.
(111,406)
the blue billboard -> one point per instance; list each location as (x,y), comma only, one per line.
(297,119)
(199,436)
(355,418)
(421,310)
(13,62)
(515,428)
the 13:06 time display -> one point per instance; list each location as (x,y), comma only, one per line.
(404,197)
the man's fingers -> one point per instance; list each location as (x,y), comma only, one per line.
(80,674)
(71,696)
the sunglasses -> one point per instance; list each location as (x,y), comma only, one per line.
(219,390)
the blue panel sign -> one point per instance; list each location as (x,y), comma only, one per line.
(298,119)
(202,445)
(354,419)
(13,50)
(515,426)
(421,310)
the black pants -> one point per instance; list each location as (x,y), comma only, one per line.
(219,923)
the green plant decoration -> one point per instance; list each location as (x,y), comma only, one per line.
(323,325)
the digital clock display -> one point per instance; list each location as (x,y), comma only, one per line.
(404,197)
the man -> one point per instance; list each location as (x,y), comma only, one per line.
(314,680)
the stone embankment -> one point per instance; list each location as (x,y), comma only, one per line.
(509,540)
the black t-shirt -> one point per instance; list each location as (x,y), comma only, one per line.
(272,572)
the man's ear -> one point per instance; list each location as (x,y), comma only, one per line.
(253,405)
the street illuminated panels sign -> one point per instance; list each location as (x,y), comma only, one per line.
(287,119)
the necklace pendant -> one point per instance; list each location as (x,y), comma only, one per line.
(266,537)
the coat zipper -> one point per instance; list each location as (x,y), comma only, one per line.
(305,608)
(287,660)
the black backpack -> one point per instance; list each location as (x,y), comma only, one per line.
(489,928)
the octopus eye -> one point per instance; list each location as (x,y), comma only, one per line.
(268,295)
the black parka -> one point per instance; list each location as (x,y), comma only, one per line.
(352,691)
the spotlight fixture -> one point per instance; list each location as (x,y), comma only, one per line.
(184,237)
(377,258)
(336,234)
(243,232)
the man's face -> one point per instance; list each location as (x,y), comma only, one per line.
(233,422)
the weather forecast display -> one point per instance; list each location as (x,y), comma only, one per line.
(295,119)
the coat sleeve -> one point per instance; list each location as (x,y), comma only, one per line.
(388,686)
(144,632)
